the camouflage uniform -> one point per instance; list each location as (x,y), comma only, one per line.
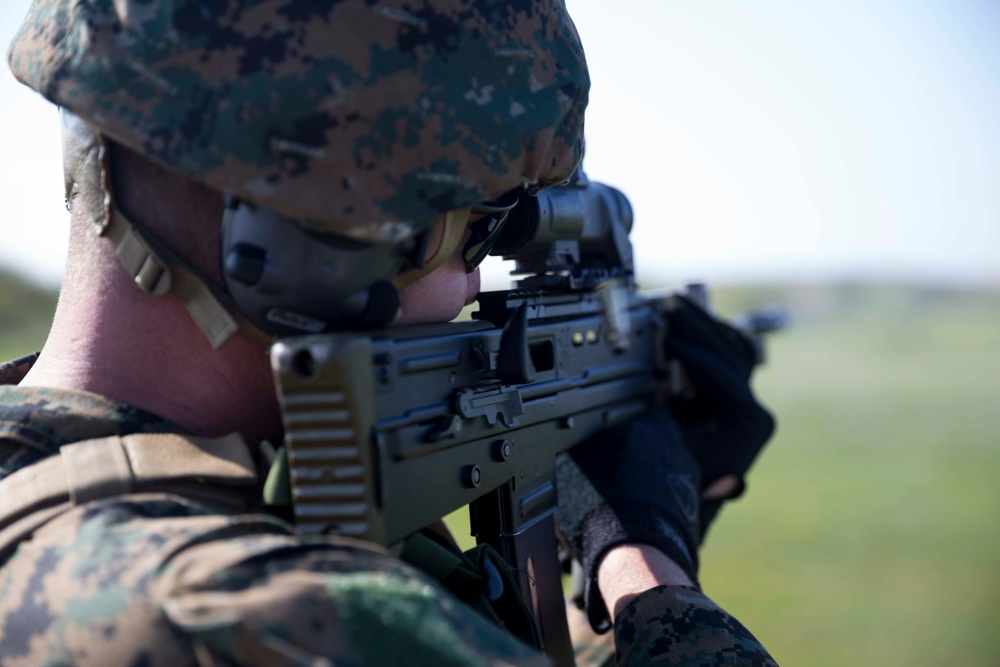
(12,371)
(157,579)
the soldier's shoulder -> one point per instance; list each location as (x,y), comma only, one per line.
(36,421)
(152,576)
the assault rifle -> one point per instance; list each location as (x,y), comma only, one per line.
(390,430)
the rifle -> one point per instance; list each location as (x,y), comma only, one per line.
(387,431)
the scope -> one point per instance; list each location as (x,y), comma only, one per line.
(573,235)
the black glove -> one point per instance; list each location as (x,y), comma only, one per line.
(635,483)
(722,424)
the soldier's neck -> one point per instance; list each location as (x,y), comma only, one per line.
(111,339)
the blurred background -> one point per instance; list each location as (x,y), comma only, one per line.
(841,158)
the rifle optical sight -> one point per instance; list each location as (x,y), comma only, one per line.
(578,232)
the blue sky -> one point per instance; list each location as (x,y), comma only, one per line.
(764,140)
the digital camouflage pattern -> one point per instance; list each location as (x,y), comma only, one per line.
(12,372)
(155,579)
(36,422)
(151,579)
(677,626)
(359,117)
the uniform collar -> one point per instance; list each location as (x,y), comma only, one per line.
(36,421)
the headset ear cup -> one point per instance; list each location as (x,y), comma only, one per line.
(288,281)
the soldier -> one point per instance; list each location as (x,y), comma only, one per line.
(357,144)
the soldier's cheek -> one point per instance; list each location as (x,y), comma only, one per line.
(440,295)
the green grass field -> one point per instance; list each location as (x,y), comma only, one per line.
(868,534)
(25,313)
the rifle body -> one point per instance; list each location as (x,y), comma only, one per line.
(391,430)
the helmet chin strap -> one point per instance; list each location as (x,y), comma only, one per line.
(454,223)
(158,270)
(155,268)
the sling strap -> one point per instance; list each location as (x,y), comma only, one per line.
(208,469)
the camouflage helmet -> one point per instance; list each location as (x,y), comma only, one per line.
(354,117)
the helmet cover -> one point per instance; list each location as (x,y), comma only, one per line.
(358,118)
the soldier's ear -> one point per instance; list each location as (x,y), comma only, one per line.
(82,158)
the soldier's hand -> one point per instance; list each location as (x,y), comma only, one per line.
(722,423)
(633,484)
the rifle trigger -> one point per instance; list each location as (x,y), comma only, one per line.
(514,360)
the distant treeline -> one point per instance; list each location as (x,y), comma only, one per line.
(25,314)
(26,308)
